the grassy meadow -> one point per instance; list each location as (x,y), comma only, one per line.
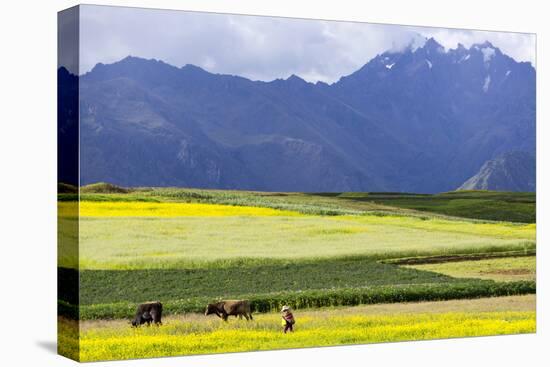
(503,269)
(325,255)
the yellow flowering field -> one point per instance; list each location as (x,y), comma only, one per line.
(166,209)
(106,340)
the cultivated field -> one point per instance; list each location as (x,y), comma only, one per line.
(503,269)
(188,247)
(128,235)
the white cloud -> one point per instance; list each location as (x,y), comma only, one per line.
(259,48)
(520,46)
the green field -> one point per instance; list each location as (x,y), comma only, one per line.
(104,286)
(492,205)
(188,247)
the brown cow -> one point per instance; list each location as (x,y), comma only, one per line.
(147,313)
(224,309)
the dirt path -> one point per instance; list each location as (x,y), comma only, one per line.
(512,303)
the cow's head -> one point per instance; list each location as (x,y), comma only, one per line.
(210,309)
(135,322)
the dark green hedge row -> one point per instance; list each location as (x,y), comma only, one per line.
(393,294)
(323,298)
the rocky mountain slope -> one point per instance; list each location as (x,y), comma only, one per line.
(513,171)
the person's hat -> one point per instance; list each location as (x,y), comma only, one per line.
(285,308)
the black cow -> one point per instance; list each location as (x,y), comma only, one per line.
(147,313)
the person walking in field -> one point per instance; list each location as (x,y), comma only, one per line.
(287,320)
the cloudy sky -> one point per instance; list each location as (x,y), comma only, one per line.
(261,48)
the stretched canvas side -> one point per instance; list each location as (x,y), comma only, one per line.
(68,182)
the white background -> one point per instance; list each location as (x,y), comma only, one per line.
(28,182)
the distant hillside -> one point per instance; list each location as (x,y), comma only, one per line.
(103,188)
(419,120)
(514,171)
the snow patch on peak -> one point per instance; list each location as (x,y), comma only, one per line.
(488,53)
(464,58)
(486,83)
(430,65)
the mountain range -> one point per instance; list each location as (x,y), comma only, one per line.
(419,120)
